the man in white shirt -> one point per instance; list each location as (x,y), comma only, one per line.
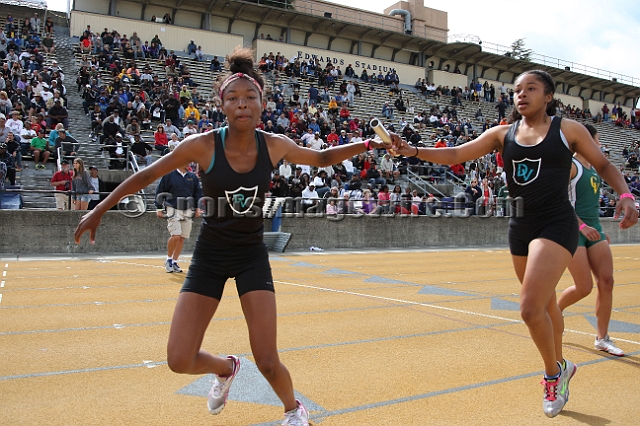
(14,123)
(285,170)
(306,138)
(357,137)
(27,133)
(190,129)
(316,143)
(309,195)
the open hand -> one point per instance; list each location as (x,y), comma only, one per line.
(88,222)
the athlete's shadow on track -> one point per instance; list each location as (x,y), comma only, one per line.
(586,418)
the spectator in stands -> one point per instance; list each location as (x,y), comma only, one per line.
(97,183)
(215,64)
(57,114)
(189,129)
(8,160)
(34,24)
(191,112)
(167,19)
(605,112)
(171,108)
(15,123)
(68,144)
(133,128)
(61,181)
(48,25)
(199,54)
(5,102)
(387,111)
(161,140)
(169,129)
(15,149)
(142,150)
(40,150)
(191,48)
(81,186)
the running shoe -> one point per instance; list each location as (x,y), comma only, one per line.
(297,417)
(607,345)
(176,267)
(220,389)
(556,391)
(168,265)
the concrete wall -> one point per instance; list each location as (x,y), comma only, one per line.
(173,37)
(445,78)
(414,232)
(51,232)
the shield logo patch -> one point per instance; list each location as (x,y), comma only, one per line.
(242,199)
(526,170)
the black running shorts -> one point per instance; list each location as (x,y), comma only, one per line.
(561,229)
(213,264)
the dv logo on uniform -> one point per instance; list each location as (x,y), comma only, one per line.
(241,200)
(526,171)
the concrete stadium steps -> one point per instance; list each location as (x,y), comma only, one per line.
(37,180)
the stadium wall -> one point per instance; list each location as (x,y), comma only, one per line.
(173,37)
(36,232)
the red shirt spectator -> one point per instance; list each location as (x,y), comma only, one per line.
(63,176)
(440,144)
(332,138)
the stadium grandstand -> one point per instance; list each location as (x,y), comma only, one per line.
(123,70)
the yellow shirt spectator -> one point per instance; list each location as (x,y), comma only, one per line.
(192,109)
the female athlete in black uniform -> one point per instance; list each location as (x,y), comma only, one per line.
(537,150)
(238,161)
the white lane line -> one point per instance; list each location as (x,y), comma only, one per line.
(444,308)
(1,284)
(4,273)
(0,298)
(6,265)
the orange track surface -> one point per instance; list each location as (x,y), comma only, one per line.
(378,338)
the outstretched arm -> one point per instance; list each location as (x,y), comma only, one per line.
(489,141)
(193,149)
(282,147)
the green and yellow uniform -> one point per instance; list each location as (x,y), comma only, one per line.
(584,193)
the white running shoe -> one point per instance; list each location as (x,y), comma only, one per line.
(297,417)
(168,265)
(176,267)
(220,389)
(607,345)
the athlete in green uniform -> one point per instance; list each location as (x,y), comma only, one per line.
(593,254)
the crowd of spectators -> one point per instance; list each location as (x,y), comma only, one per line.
(32,94)
(125,102)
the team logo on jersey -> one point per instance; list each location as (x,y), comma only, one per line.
(526,171)
(241,200)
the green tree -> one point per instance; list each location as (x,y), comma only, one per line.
(518,50)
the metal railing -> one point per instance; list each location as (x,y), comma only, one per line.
(422,184)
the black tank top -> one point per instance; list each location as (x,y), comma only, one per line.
(235,200)
(539,173)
